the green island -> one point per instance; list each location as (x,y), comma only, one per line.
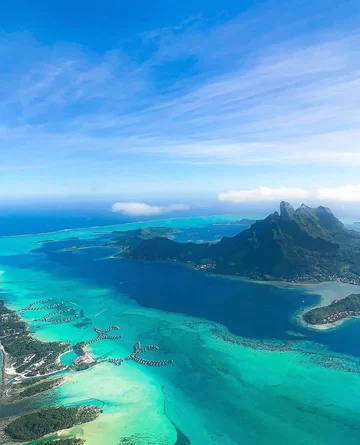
(132,239)
(338,310)
(129,238)
(302,245)
(38,424)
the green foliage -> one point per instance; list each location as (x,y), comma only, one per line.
(32,381)
(20,345)
(303,244)
(82,366)
(36,425)
(79,348)
(318,315)
(28,346)
(40,387)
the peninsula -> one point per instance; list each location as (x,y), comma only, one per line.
(302,245)
(28,369)
(336,312)
(26,357)
(38,424)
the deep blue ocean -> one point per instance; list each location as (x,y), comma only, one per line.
(30,218)
(20,220)
(246,309)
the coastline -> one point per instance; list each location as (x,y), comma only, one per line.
(19,333)
(226,217)
(327,291)
(16,429)
(6,392)
(317,327)
(6,375)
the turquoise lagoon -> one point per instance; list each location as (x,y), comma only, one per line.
(283,384)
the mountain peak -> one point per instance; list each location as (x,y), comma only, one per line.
(286,210)
(308,244)
(322,209)
(328,219)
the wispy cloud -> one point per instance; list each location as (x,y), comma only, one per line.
(344,193)
(272,100)
(52,81)
(295,106)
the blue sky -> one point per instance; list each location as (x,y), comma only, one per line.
(117,98)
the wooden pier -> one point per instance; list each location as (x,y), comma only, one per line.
(30,306)
(101,335)
(135,357)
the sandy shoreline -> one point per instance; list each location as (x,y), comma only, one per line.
(327,291)
(318,327)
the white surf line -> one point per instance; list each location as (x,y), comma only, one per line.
(74,304)
(100,312)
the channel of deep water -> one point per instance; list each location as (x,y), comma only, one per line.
(217,393)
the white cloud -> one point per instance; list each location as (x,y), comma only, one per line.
(346,193)
(142,209)
(136,208)
(264,194)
